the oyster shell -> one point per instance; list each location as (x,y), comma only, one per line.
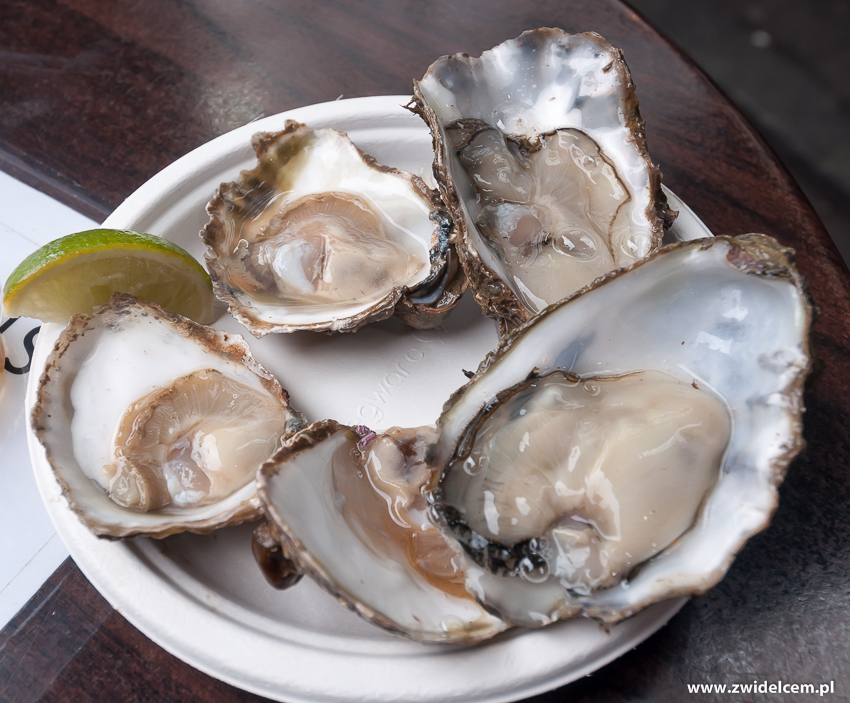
(349,509)
(618,450)
(319,236)
(727,315)
(154,424)
(540,153)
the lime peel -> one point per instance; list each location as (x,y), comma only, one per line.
(76,273)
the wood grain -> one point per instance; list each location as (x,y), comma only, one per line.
(98,96)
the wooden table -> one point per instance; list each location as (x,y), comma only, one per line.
(98,96)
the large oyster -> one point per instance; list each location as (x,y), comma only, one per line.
(726,315)
(616,451)
(319,236)
(154,424)
(541,154)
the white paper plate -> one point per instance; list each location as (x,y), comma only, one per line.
(203,599)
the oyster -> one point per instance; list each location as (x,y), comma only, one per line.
(319,236)
(154,424)
(348,507)
(618,450)
(541,154)
(728,316)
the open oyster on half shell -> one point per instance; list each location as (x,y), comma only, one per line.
(616,451)
(349,509)
(319,236)
(541,154)
(154,424)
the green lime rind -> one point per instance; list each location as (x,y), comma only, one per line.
(74,244)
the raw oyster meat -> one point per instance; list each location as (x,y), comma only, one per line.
(616,451)
(319,236)
(154,424)
(584,477)
(541,154)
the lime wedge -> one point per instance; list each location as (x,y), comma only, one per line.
(80,272)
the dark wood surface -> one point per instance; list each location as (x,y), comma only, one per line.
(98,96)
